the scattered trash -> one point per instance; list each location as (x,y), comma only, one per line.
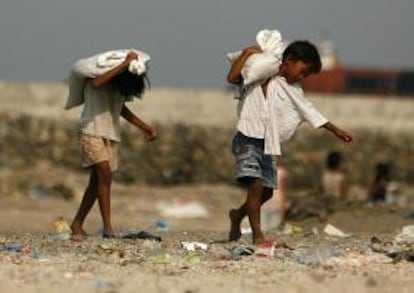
(333,231)
(397,252)
(290,228)
(61,226)
(316,256)
(406,236)
(182,210)
(191,258)
(39,192)
(142,235)
(15,248)
(162,226)
(61,230)
(267,249)
(162,259)
(193,246)
(238,251)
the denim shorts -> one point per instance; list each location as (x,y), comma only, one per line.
(251,162)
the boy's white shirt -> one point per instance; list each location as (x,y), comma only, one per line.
(101,112)
(276,117)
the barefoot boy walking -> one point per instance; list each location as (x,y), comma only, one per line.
(269,112)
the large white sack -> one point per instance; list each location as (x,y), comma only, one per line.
(262,65)
(257,67)
(98,64)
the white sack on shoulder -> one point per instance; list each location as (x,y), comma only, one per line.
(112,59)
(270,41)
(98,64)
(262,65)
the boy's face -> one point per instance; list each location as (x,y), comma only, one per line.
(295,70)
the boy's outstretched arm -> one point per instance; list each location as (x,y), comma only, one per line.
(150,133)
(339,133)
(106,77)
(234,75)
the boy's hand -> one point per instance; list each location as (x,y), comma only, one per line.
(339,133)
(344,136)
(150,133)
(252,50)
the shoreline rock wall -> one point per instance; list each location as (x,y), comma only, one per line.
(198,154)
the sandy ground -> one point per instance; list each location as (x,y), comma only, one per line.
(314,261)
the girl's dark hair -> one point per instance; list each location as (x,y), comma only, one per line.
(130,84)
(304,51)
(333,160)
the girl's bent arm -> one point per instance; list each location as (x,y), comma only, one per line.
(149,132)
(106,77)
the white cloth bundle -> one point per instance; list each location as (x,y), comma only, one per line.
(98,64)
(262,65)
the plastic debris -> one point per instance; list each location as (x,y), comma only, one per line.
(333,231)
(15,248)
(39,192)
(61,230)
(142,235)
(406,236)
(242,250)
(162,226)
(316,256)
(191,258)
(290,228)
(193,246)
(266,249)
(162,259)
(61,226)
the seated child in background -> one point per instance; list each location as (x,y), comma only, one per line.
(378,187)
(333,179)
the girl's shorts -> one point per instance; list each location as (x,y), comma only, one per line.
(95,149)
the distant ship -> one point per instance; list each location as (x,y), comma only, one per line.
(335,78)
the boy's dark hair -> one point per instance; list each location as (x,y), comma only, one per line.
(130,84)
(304,51)
(333,160)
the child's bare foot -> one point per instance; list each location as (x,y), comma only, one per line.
(109,233)
(260,240)
(78,230)
(235,221)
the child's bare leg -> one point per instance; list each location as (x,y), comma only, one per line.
(87,202)
(237,215)
(266,194)
(104,176)
(253,202)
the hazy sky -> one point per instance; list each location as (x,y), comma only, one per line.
(188,39)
